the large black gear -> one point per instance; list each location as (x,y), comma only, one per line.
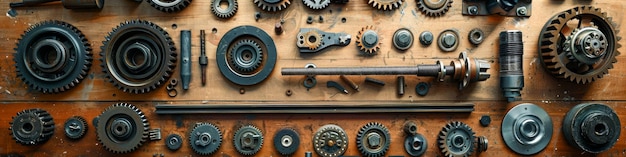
(122,128)
(169,6)
(248,140)
(52,56)
(246,55)
(286,141)
(138,56)
(230,10)
(591,127)
(456,139)
(373,140)
(205,138)
(75,127)
(330,141)
(272,5)
(32,127)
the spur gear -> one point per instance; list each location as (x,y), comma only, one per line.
(52,57)
(246,56)
(434,8)
(248,140)
(368,40)
(330,141)
(456,139)
(205,138)
(32,127)
(591,127)
(385,4)
(311,39)
(272,5)
(286,141)
(220,12)
(316,4)
(138,56)
(169,6)
(122,128)
(373,140)
(75,127)
(582,53)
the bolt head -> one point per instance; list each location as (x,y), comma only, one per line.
(472,10)
(449,40)
(373,139)
(522,11)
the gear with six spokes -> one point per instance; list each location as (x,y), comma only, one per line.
(368,40)
(272,5)
(32,127)
(316,4)
(373,140)
(122,128)
(385,4)
(456,139)
(434,9)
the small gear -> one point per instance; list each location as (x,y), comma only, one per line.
(368,40)
(330,141)
(456,139)
(220,12)
(385,4)
(248,140)
(373,140)
(286,141)
(246,56)
(311,39)
(32,127)
(122,128)
(205,138)
(272,5)
(434,9)
(173,142)
(316,4)
(75,127)
(169,6)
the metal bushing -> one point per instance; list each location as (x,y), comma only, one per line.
(403,39)
(415,145)
(422,88)
(476,36)
(591,127)
(527,129)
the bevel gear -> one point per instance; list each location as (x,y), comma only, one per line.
(368,40)
(230,10)
(456,139)
(272,5)
(138,56)
(169,6)
(316,4)
(32,127)
(434,9)
(330,141)
(583,53)
(246,56)
(286,141)
(75,127)
(205,138)
(385,4)
(248,140)
(373,140)
(122,128)
(52,56)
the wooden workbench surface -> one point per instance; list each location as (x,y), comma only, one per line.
(94,94)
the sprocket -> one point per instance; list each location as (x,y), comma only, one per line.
(385,4)
(434,9)
(456,139)
(272,5)
(169,6)
(122,128)
(316,4)
(368,40)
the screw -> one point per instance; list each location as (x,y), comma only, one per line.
(257,15)
(321,19)
(472,10)
(521,11)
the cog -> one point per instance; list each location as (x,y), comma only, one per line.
(32,127)
(174,142)
(138,56)
(330,141)
(234,72)
(52,57)
(566,56)
(456,139)
(373,140)
(272,5)
(312,39)
(75,127)
(368,40)
(286,141)
(385,4)
(205,138)
(122,128)
(248,140)
(246,56)
(434,9)
(230,10)
(316,4)
(169,6)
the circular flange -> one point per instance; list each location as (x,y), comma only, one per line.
(448,40)
(205,138)
(330,141)
(225,47)
(402,39)
(591,127)
(248,140)
(286,141)
(527,129)
(75,127)
(415,145)
(173,142)
(373,140)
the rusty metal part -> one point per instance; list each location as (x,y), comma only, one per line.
(368,40)
(456,139)
(310,40)
(448,40)
(330,141)
(272,5)
(385,4)
(434,8)
(203,60)
(351,83)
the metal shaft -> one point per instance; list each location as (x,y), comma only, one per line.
(420,70)
(511,64)
(185,57)
(203,60)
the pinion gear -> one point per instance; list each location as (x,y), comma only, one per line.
(456,139)
(272,5)
(246,56)
(368,40)
(316,4)
(205,138)
(169,6)
(248,140)
(230,10)
(434,9)
(32,127)
(385,4)
(75,127)
(122,128)
(373,140)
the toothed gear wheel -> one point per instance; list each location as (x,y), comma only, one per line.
(220,12)
(205,138)
(52,57)
(373,140)
(246,56)
(330,141)
(456,139)
(75,127)
(312,39)
(272,5)
(286,141)
(248,140)
(122,128)
(169,6)
(316,4)
(581,54)
(434,8)
(138,56)
(32,127)
(368,40)
(173,142)
(385,4)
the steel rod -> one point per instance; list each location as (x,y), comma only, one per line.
(311,109)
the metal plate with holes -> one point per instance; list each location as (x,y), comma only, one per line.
(523,8)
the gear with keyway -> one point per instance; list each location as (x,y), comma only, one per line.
(32,127)
(330,141)
(52,57)
(272,5)
(122,128)
(456,139)
(248,140)
(434,8)
(581,53)
(246,56)
(373,140)
(385,4)
(286,141)
(169,6)
(316,4)
(138,56)
(205,138)
(75,127)
(224,13)
(368,40)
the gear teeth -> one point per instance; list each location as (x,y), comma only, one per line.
(224,15)
(371,50)
(374,127)
(316,4)
(43,135)
(169,9)
(385,5)
(283,4)
(454,127)
(102,129)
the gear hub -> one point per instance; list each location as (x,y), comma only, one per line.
(32,127)
(75,127)
(248,140)
(367,40)
(373,140)
(246,56)
(456,139)
(122,128)
(434,8)
(205,138)
(527,129)
(286,141)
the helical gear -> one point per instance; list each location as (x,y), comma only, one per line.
(122,128)
(246,56)
(368,40)
(32,127)
(434,9)
(316,4)
(456,139)
(385,4)
(230,10)
(272,5)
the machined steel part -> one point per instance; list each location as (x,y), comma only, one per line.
(400,85)
(246,55)
(169,6)
(591,127)
(456,139)
(272,5)
(248,140)
(122,128)
(385,4)
(426,38)
(476,36)
(205,138)
(67,4)
(316,4)
(410,128)
(581,53)
(75,127)
(173,142)
(527,129)
(373,140)
(482,143)
(415,145)
(229,11)
(203,60)
(402,39)
(185,58)
(330,140)
(154,134)
(422,88)
(518,8)
(434,8)
(32,127)
(52,57)
(464,70)
(448,40)
(368,41)
(511,64)
(310,40)
(286,141)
